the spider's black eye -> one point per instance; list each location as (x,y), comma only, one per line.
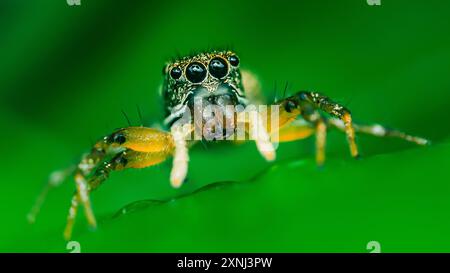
(218,67)
(234,60)
(290,106)
(195,72)
(119,138)
(175,73)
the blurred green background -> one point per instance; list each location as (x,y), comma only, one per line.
(67,72)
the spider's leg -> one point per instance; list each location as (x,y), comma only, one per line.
(132,147)
(55,179)
(380,131)
(83,197)
(308,102)
(301,128)
(124,160)
(321,137)
(71,216)
(87,164)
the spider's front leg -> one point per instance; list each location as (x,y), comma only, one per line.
(132,147)
(310,106)
(325,104)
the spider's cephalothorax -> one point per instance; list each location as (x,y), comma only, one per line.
(213,79)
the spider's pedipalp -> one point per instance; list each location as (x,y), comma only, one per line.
(258,131)
(181,156)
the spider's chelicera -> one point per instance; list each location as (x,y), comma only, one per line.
(208,97)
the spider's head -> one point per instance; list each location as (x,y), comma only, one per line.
(210,77)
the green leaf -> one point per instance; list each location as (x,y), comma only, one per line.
(293,206)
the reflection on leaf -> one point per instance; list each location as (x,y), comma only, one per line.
(143,204)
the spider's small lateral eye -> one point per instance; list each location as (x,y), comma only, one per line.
(195,72)
(218,67)
(290,106)
(234,60)
(119,138)
(175,73)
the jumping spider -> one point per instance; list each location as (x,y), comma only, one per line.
(215,79)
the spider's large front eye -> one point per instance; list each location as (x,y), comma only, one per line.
(175,73)
(218,67)
(196,72)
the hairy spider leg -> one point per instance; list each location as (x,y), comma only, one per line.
(132,147)
(88,162)
(301,129)
(55,179)
(321,137)
(74,203)
(306,103)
